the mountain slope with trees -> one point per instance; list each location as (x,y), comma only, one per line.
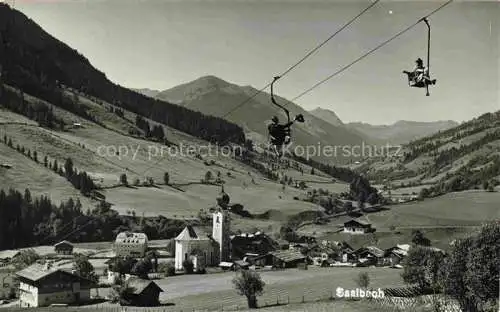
(37,63)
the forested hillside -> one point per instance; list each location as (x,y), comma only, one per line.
(41,65)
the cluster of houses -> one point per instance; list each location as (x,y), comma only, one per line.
(43,284)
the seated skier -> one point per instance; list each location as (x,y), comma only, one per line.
(280,133)
(419,77)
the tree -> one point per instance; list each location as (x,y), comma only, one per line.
(84,268)
(142,268)
(250,285)
(188,266)
(418,238)
(166,268)
(25,258)
(166,178)
(123,179)
(486,185)
(424,193)
(68,167)
(363,280)
(208,176)
(472,270)
(422,267)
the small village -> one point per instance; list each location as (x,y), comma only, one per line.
(54,279)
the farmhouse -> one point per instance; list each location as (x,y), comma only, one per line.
(145,292)
(288,258)
(131,244)
(370,255)
(395,254)
(41,285)
(357,227)
(63,248)
(7,256)
(256,243)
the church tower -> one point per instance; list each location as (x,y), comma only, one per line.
(221,226)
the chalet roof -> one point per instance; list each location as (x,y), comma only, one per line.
(241,263)
(288,255)
(128,237)
(139,284)
(36,272)
(357,222)
(8,254)
(226,264)
(377,252)
(63,243)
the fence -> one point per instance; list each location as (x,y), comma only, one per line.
(403,301)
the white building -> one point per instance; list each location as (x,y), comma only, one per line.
(204,250)
(357,227)
(131,244)
(42,285)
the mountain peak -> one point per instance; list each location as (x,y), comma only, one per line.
(327,115)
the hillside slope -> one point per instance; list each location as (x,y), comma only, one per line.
(460,158)
(43,66)
(214,96)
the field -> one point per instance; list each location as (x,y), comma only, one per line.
(216,292)
(107,152)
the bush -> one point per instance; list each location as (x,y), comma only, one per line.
(166,268)
(188,266)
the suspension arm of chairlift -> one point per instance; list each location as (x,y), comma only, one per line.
(274,101)
(428,52)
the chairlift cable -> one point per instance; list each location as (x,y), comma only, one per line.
(368,53)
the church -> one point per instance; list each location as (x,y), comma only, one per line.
(209,249)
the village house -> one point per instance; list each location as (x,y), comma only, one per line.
(41,285)
(63,248)
(357,227)
(370,255)
(396,254)
(131,244)
(6,256)
(288,258)
(145,292)
(256,243)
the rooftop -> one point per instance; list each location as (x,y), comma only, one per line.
(357,221)
(128,237)
(288,255)
(189,233)
(139,284)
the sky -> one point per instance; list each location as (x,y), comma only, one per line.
(160,44)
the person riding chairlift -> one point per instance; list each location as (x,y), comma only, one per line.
(280,133)
(420,75)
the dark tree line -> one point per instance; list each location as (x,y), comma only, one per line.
(39,64)
(155,132)
(80,180)
(39,112)
(26,221)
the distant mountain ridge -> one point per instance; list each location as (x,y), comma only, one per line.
(214,96)
(147,92)
(403,131)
